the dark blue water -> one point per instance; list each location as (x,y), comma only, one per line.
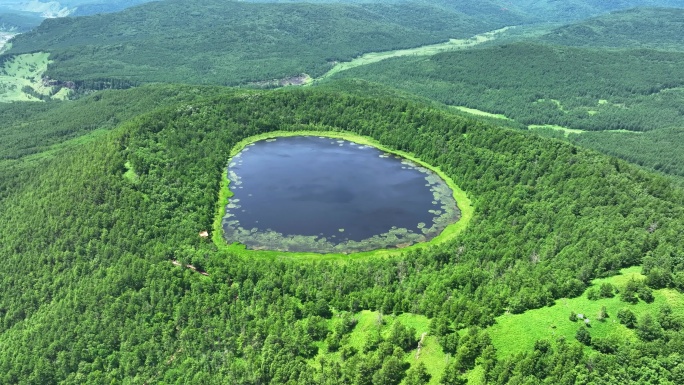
(328,188)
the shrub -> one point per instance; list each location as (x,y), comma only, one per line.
(583,336)
(607,290)
(627,318)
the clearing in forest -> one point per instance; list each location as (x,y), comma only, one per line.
(425,50)
(21,79)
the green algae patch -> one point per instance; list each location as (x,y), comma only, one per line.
(449,219)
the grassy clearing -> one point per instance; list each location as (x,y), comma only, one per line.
(474,111)
(566,131)
(431,354)
(130,173)
(516,333)
(425,50)
(23,72)
(448,233)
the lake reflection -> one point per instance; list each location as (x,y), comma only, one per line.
(328,195)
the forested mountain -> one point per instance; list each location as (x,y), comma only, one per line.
(658,149)
(551,10)
(652,28)
(586,89)
(32,132)
(92,7)
(59,8)
(17,22)
(89,293)
(107,276)
(218,42)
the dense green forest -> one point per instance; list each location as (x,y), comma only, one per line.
(658,149)
(593,89)
(89,293)
(651,28)
(214,42)
(546,10)
(580,88)
(570,271)
(31,132)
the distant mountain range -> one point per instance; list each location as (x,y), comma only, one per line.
(634,28)
(228,43)
(63,8)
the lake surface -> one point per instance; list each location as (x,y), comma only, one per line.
(318,194)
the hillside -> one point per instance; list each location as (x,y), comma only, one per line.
(586,89)
(92,7)
(89,293)
(227,43)
(566,265)
(551,10)
(31,133)
(660,150)
(652,28)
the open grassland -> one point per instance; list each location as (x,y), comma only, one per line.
(517,333)
(224,194)
(21,79)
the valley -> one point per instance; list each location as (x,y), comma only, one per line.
(426,50)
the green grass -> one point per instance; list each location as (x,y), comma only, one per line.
(130,173)
(450,232)
(516,333)
(476,376)
(566,131)
(474,111)
(424,50)
(431,354)
(26,71)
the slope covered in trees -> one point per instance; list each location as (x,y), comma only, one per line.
(218,42)
(652,28)
(548,10)
(660,150)
(31,132)
(88,292)
(586,89)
